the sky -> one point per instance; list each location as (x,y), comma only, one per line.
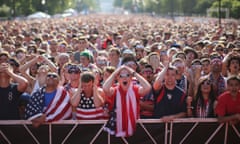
(106,6)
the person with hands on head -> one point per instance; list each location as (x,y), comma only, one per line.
(170,100)
(88,99)
(10,92)
(125,99)
(40,80)
(49,103)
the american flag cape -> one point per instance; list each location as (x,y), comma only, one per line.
(59,108)
(122,120)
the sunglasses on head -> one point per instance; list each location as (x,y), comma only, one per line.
(124,75)
(52,76)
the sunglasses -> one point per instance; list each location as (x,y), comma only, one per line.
(124,75)
(216,62)
(147,72)
(130,63)
(73,71)
(207,82)
(52,76)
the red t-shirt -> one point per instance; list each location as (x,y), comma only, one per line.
(227,105)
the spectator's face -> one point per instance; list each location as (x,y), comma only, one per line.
(233,86)
(139,53)
(180,66)
(20,55)
(190,56)
(206,86)
(84,61)
(101,62)
(62,48)
(113,56)
(154,60)
(147,73)
(87,86)
(216,65)
(234,66)
(53,46)
(62,60)
(170,78)
(82,43)
(124,78)
(206,67)
(52,80)
(3,59)
(42,70)
(74,75)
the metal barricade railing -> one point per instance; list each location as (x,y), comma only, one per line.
(189,130)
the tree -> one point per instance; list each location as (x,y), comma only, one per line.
(233,7)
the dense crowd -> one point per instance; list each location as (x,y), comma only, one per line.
(119,68)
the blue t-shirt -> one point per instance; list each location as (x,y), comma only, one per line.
(48,97)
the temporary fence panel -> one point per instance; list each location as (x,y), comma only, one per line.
(149,131)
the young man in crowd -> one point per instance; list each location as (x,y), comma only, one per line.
(170,100)
(10,92)
(49,103)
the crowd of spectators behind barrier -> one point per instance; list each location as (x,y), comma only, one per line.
(173,68)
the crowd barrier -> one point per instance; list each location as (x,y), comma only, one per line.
(149,131)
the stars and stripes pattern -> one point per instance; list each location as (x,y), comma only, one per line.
(86,109)
(122,120)
(59,108)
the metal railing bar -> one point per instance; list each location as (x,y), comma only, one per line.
(69,134)
(189,132)
(124,140)
(214,133)
(50,133)
(5,138)
(153,140)
(236,131)
(35,139)
(166,133)
(226,133)
(171,131)
(98,133)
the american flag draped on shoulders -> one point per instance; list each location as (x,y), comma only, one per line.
(123,117)
(58,109)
